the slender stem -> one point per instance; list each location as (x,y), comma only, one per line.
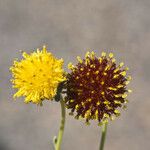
(103,137)
(58,140)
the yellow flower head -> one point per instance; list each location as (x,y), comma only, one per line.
(96,88)
(37,76)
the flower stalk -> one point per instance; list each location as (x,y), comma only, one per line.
(58,139)
(103,137)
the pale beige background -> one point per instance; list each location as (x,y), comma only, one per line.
(69,27)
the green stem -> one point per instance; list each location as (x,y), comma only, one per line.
(58,140)
(103,137)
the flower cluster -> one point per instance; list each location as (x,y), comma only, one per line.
(96,87)
(37,76)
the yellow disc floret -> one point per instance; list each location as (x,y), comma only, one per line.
(37,76)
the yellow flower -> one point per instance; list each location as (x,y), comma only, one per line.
(37,76)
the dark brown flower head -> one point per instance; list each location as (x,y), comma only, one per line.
(96,88)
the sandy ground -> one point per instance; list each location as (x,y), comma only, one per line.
(69,28)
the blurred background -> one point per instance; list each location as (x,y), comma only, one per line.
(69,28)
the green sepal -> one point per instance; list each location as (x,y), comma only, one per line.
(59,92)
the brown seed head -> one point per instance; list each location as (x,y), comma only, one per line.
(96,88)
